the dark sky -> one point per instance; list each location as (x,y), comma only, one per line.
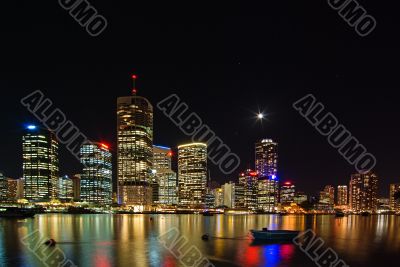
(226,62)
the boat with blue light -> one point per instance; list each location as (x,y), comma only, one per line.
(274,235)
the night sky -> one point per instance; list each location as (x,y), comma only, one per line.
(225,62)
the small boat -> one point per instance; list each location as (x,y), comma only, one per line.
(365,214)
(274,235)
(207,213)
(16,213)
(339,214)
(51,242)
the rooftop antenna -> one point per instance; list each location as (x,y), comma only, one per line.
(134,90)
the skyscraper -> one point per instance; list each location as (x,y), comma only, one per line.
(40,164)
(192,174)
(266,156)
(342,195)
(287,194)
(229,190)
(330,192)
(249,181)
(364,192)
(96,178)
(394,203)
(3,188)
(65,189)
(166,179)
(135,151)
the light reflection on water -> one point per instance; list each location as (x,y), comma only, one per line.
(131,240)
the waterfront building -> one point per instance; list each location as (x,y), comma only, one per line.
(266,155)
(229,194)
(40,164)
(192,174)
(96,178)
(394,200)
(165,185)
(239,195)
(363,192)
(219,197)
(3,188)
(342,195)
(249,181)
(330,193)
(135,151)
(300,197)
(65,189)
(288,191)
(266,166)
(76,187)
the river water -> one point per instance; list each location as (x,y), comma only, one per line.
(134,240)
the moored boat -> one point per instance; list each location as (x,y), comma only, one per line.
(339,214)
(365,214)
(208,213)
(14,212)
(274,235)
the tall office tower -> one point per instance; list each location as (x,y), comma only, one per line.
(76,187)
(267,158)
(268,194)
(65,189)
(266,155)
(219,197)
(394,194)
(3,188)
(363,192)
(330,192)
(229,190)
(342,193)
(96,178)
(249,181)
(239,195)
(192,174)
(288,191)
(165,179)
(40,164)
(135,151)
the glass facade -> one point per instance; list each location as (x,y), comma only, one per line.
(249,182)
(342,193)
(288,191)
(135,151)
(96,178)
(192,174)
(40,165)
(364,192)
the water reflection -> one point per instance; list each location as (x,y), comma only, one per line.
(131,240)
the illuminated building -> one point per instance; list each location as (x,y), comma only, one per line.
(96,177)
(363,192)
(300,197)
(393,202)
(287,194)
(266,156)
(249,181)
(76,187)
(166,192)
(239,195)
(219,197)
(229,190)
(40,164)
(342,193)
(192,174)
(268,194)
(3,188)
(135,151)
(65,189)
(330,194)
(209,200)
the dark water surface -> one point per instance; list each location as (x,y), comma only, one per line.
(132,240)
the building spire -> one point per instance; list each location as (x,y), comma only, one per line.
(134,90)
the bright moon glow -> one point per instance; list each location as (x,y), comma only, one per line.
(260,116)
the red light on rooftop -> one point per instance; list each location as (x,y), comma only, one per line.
(288,183)
(134,76)
(253,173)
(105,146)
(170,154)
